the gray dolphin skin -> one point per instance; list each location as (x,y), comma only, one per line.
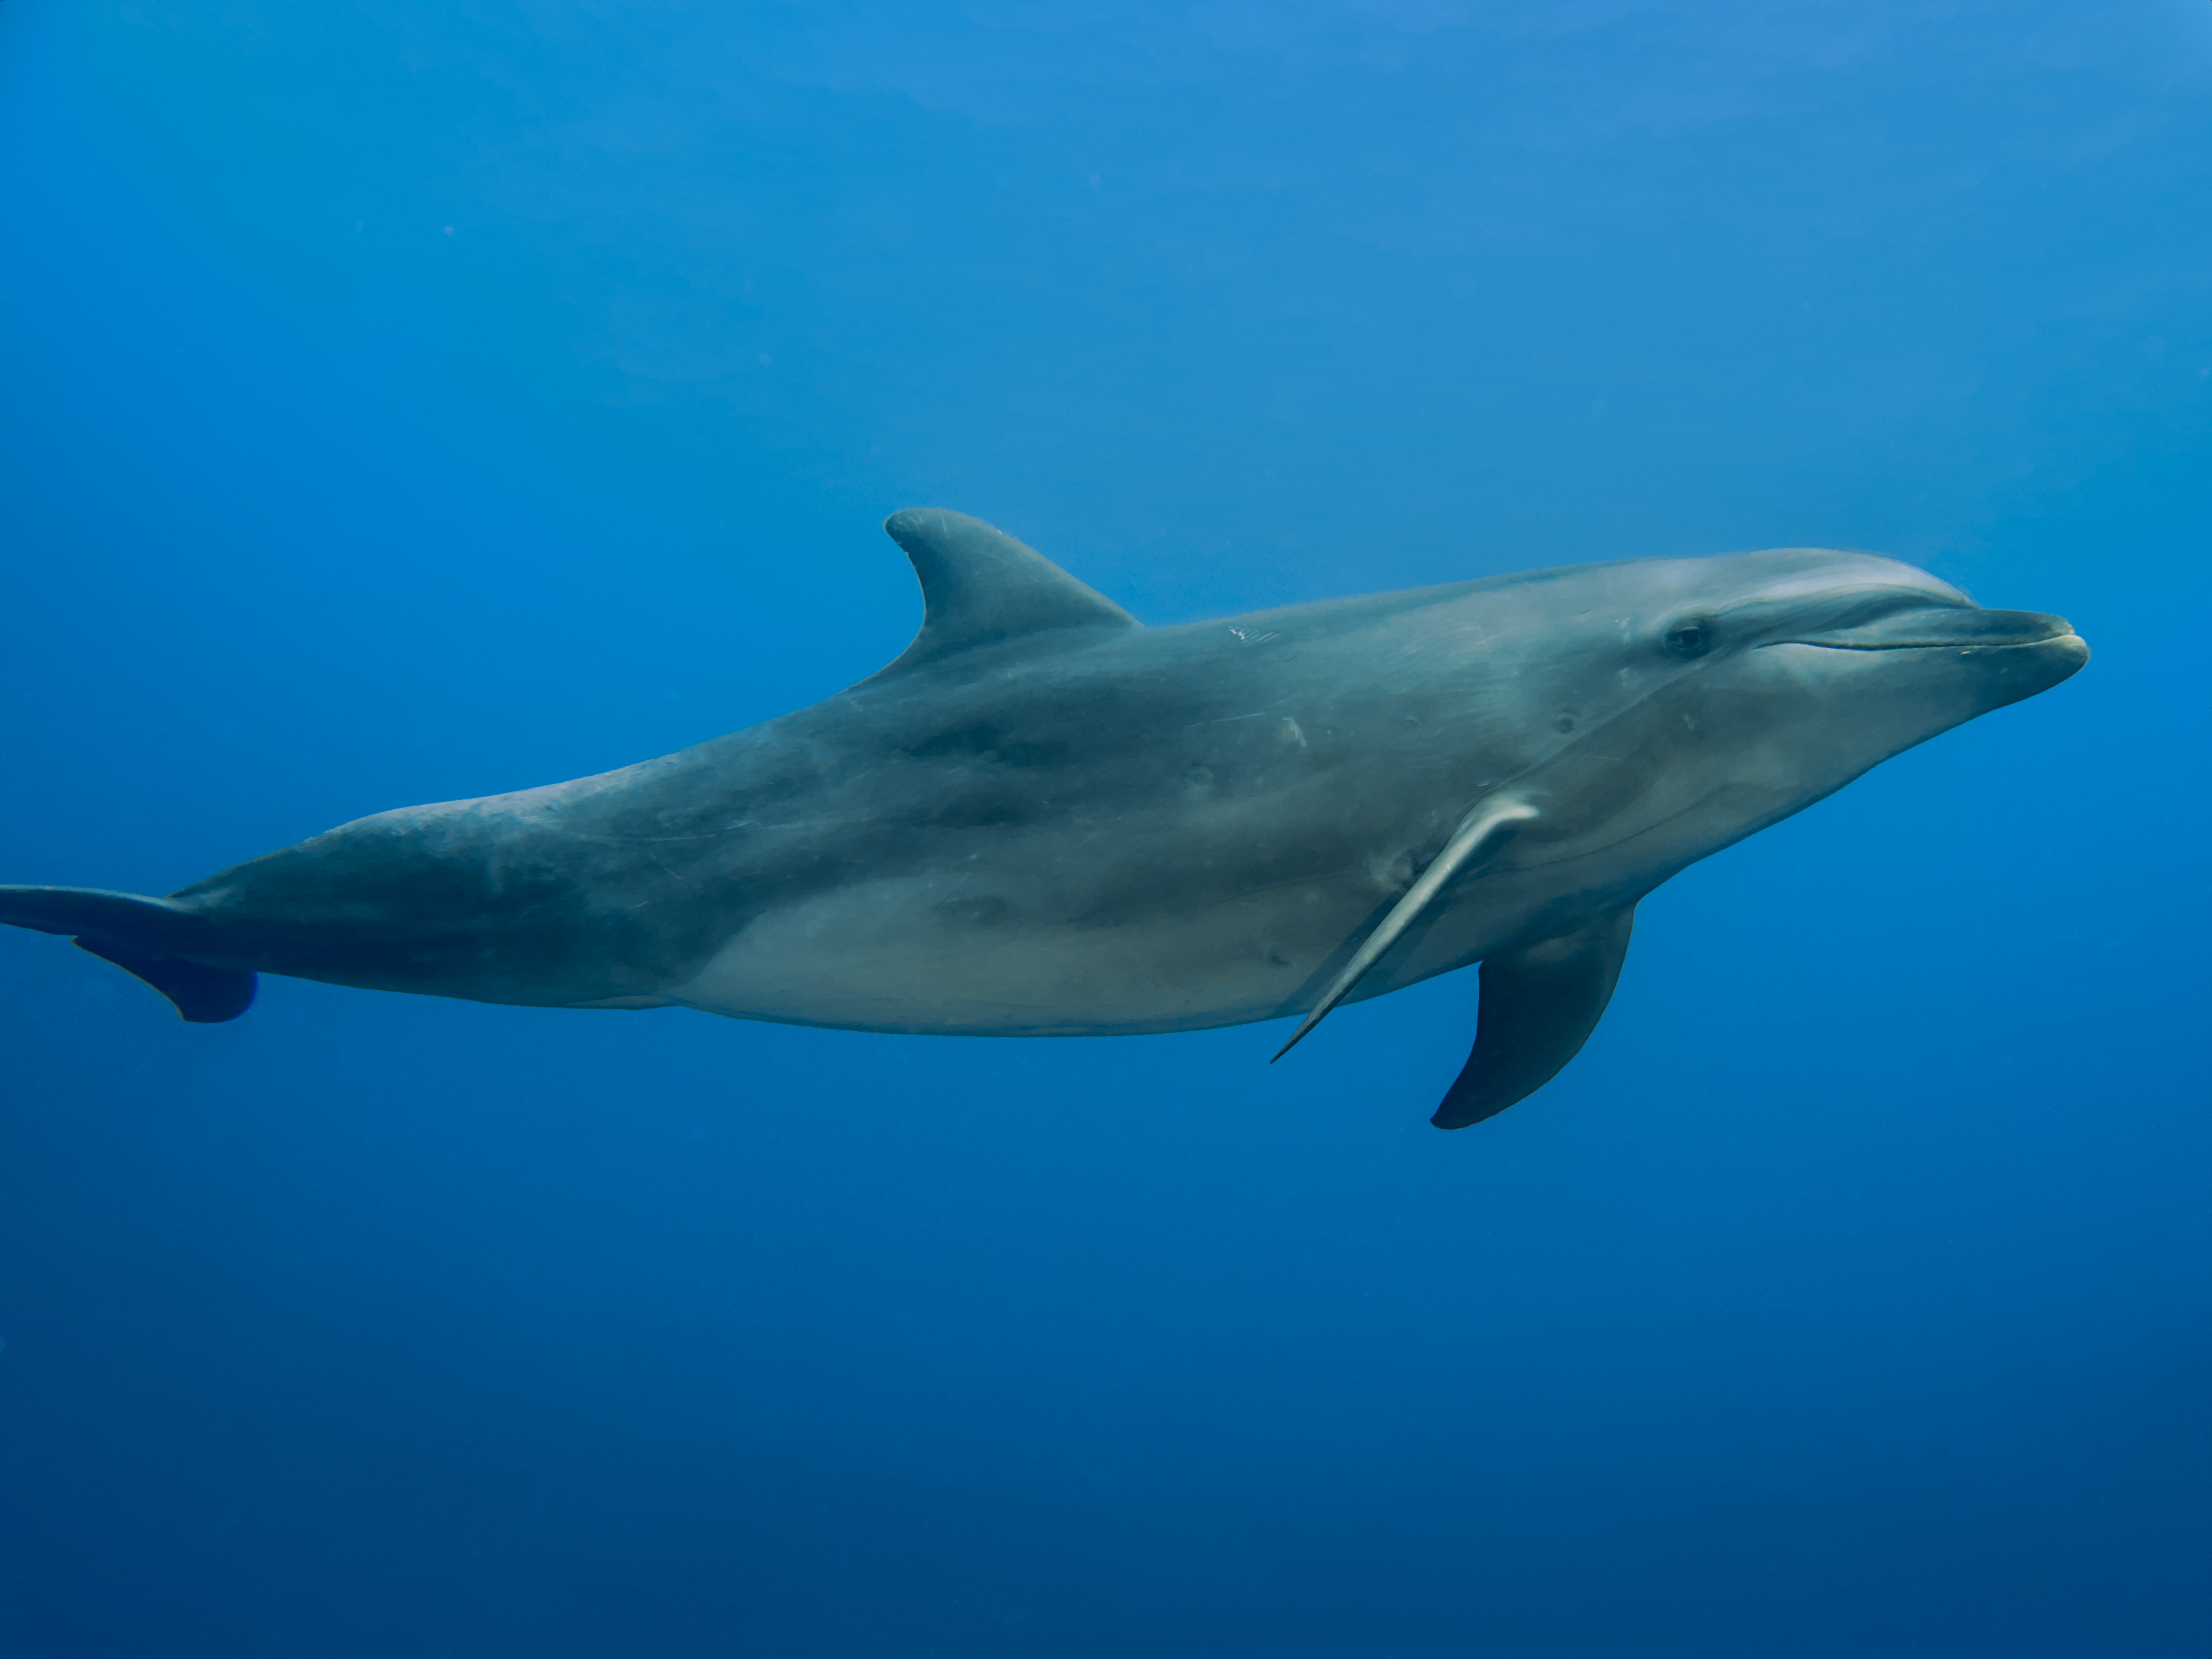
(1043,820)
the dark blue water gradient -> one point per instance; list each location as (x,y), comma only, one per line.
(1849,1295)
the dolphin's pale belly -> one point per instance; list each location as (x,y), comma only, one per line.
(1049,942)
(921,954)
(927,954)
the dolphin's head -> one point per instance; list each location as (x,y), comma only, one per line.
(1727,693)
(1857,654)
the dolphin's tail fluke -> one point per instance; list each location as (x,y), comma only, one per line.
(151,938)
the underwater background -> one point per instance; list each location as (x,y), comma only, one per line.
(405,401)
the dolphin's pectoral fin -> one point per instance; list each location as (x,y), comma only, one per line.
(1539,1005)
(1477,831)
(141,935)
(203,995)
(979,586)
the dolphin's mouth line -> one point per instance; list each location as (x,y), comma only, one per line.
(1923,645)
(1944,628)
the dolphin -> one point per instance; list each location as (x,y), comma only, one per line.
(1045,820)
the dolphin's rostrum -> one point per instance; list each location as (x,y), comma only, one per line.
(1043,820)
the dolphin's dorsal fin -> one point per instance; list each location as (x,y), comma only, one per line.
(979,586)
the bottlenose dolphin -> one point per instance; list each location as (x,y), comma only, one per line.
(1043,820)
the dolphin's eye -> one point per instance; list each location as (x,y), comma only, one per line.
(1692,636)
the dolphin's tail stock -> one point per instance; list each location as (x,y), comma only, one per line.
(151,938)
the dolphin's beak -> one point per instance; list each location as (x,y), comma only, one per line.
(1944,625)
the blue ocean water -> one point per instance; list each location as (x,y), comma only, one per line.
(406,402)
